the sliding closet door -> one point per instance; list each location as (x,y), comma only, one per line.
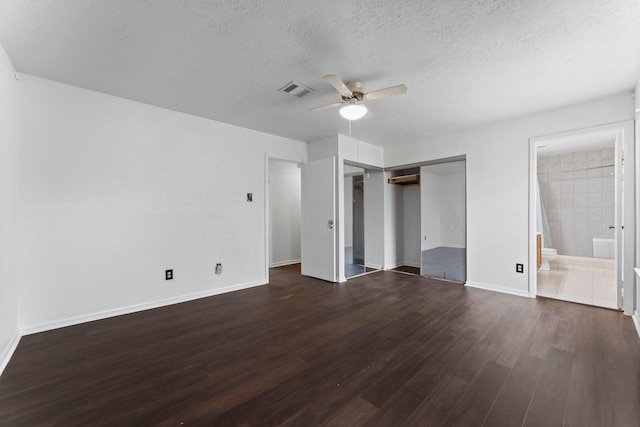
(358,220)
(443,221)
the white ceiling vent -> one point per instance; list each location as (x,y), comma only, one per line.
(296,89)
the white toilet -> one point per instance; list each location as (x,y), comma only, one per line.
(548,254)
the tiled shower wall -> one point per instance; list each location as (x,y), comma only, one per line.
(578,194)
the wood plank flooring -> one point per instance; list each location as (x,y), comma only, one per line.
(384,349)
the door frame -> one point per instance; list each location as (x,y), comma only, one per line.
(624,133)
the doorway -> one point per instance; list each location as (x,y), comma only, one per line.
(578,213)
(284,213)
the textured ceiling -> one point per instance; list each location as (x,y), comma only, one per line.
(465,63)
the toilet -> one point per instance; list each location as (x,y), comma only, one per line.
(548,254)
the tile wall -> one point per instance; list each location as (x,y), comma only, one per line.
(578,194)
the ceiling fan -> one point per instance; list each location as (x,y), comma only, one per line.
(353,97)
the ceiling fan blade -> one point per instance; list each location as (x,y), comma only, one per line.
(325,107)
(338,85)
(382,93)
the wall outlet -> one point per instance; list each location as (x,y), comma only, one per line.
(249,197)
(519,268)
(218,268)
(168,274)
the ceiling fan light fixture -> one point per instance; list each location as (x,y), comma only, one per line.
(353,111)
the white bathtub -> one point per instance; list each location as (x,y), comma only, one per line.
(604,247)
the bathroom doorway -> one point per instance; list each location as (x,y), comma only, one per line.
(578,212)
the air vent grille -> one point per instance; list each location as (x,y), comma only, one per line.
(296,89)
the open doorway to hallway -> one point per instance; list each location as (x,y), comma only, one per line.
(284,213)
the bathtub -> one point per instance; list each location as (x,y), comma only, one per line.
(604,247)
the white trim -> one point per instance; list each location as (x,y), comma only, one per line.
(267,216)
(8,352)
(402,264)
(374,266)
(636,321)
(500,289)
(532,290)
(75,320)
(283,263)
(410,264)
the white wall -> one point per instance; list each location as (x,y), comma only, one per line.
(411,225)
(9,103)
(285,215)
(360,152)
(113,192)
(497,159)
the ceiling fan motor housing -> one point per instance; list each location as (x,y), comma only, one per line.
(356,92)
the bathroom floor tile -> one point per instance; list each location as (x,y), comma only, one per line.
(581,280)
(579,298)
(549,283)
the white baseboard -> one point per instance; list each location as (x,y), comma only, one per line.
(75,320)
(283,263)
(410,264)
(391,267)
(498,289)
(8,352)
(374,266)
(636,321)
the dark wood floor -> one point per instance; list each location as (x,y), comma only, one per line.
(408,269)
(383,349)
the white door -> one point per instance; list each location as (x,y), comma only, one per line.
(318,219)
